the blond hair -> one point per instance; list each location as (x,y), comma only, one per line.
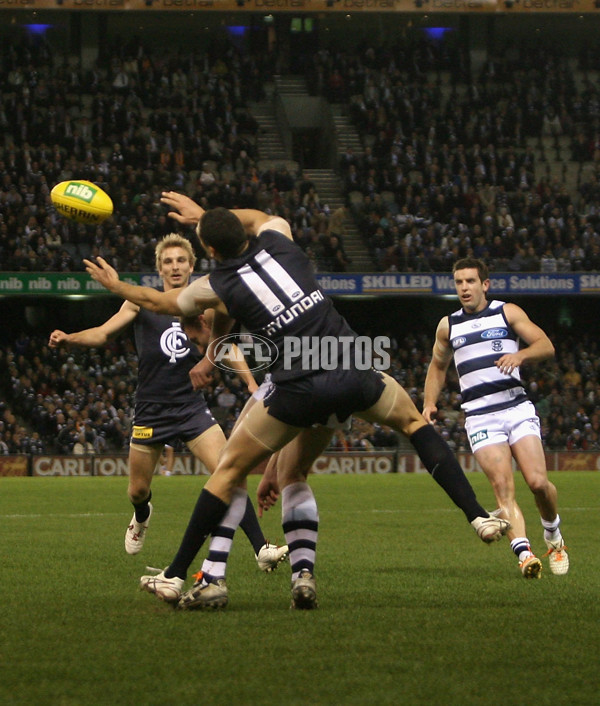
(174,240)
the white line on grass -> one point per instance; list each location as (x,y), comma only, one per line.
(28,516)
(452,509)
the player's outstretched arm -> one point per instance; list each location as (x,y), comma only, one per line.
(237,361)
(98,335)
(108,277)
(256,221)
(188,212)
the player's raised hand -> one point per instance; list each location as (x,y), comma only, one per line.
(184,210)
(102,272)
(57,337)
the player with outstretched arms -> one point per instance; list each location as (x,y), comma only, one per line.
(265,282)
(169,403)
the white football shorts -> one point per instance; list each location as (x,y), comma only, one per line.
(505,426)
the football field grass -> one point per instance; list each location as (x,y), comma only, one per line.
(414,608)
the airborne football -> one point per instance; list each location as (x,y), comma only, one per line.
(81,201)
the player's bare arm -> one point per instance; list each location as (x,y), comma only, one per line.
(539,346)
(188,212)
(146,297)
(201,373)
(197,297)
(267,492)
(196,327)
(238,363)
(98,335)
(183,209)
(255,222)
(436,373)
(221,326)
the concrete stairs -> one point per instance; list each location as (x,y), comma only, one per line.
(328,184)
(268,138)
(347,134)
(329,188)
(290,85)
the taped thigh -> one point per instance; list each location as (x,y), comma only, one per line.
(384,406)
(210,436)
(147,448)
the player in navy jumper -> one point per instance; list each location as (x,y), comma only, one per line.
(167,406)
(266,283)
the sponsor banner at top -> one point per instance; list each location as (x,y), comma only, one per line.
(369,284)
(345,6)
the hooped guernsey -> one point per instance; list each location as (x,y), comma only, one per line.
(273,293)
(478,341)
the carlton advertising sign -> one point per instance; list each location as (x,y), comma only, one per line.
(346,463)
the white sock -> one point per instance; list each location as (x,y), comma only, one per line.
(551,529)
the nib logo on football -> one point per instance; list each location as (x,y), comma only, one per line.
(80,191)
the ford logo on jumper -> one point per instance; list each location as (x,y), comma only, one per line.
(495,333)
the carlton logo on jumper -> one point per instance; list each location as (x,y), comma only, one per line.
(258,352)
(80,191)
(315,353)
(495,333)
(478,436)
(174,342)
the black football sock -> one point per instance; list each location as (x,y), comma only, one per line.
(142,510)
(207,515)
(252,528)
(446,471)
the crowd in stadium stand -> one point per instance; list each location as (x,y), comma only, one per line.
(445,174)
(135,125)
(438,178)
(441,175)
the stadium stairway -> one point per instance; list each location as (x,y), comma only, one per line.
(347,134)
(269,142)
(272,152)
(329,188)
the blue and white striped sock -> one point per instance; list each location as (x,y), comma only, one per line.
(300,520)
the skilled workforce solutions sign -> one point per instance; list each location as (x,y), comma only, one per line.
(432,283)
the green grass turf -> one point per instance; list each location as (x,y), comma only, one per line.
(414,609)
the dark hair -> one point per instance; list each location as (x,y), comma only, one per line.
(472,263)
(223,231)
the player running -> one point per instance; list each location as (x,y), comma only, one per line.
(501,423)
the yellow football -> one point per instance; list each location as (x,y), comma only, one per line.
(81,201)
